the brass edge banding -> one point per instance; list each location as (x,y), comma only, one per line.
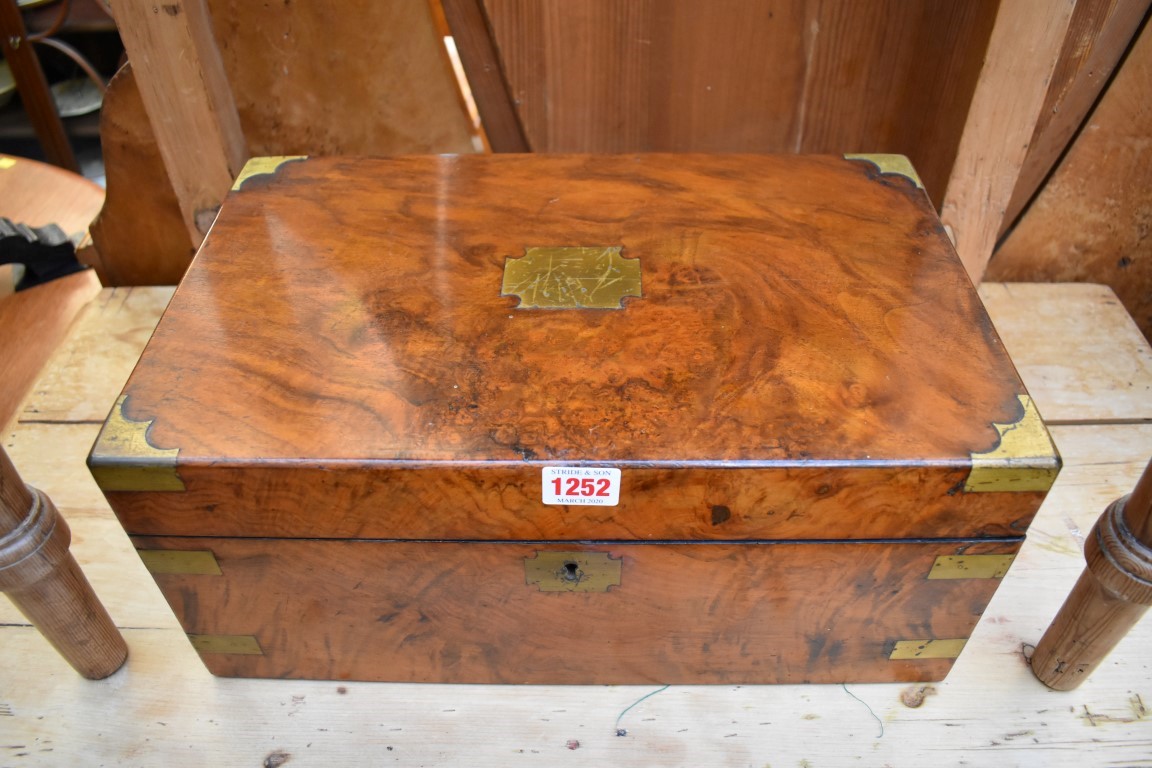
(571,277)
(259,166)
(970,566)
(898,165)
(572,571)
(914,650)
(1024,460)
(123,459)
(245,645)
(192,562)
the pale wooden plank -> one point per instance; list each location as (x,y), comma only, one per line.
(189,104)
(1022,54)
(85,376)
(1080,354)
(51,457)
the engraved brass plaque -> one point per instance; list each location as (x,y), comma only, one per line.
(927,649)
(195,562)
(246,645)
(571,278)
(572,571)
(1024,459)
(971,566)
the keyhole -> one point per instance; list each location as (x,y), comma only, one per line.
(571,572)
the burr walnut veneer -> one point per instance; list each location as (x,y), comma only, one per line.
(570,419)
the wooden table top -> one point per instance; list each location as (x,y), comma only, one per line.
(1086,366)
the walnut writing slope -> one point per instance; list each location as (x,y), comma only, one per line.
(569,419)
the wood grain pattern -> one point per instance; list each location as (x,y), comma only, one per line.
(189,103)
(139,233)
(788,351)
(1022,54)
(164,706)
(782,76)
(435,612)
(369,77)
(1090,222)
(1099,34)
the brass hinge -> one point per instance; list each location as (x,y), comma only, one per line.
(970,566)
(927,649)
(246,645)
(192,562)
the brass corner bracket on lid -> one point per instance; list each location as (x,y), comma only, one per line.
(124,459)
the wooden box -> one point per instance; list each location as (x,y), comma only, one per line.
(569,419)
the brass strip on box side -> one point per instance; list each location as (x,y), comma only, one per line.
(190,562)
(246,645)
(891,164)
(259,166)
(572,571)
(1024,460)
(124,459)
(576,277)
(970,566)
(927,649)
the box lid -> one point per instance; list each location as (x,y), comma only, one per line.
(765,347)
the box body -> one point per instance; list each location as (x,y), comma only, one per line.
(369,436)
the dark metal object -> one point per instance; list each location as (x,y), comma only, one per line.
(46,252)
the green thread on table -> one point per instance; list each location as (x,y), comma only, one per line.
(623,731)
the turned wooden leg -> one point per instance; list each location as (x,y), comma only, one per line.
(1112,594)
(41,577)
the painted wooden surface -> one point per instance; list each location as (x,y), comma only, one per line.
(782,76)
(775,329)
(165,708)
(1090,222)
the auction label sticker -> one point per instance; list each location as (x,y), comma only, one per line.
(594,486)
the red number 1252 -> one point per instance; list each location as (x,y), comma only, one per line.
(586,486)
